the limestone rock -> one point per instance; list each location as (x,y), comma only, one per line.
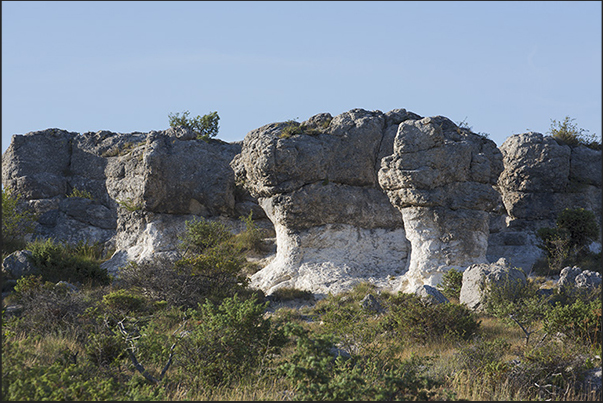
(441,178)
(573,277)
(430,294)
(334,225)
(477,275)
(18,264)
(540,179)
(36,164)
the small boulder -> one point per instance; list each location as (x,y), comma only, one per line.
(430,294)
(371,304)
(18,264)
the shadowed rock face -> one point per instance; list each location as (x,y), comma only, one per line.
(441,178)
(390,198)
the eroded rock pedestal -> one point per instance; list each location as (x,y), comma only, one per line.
(441,179)
(334,225)
(392,198)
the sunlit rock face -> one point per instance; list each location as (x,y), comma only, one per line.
(334,224)
(541,178)
(392,198)
(441,178)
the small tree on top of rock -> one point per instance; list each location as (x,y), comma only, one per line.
(205,126)
(569,133)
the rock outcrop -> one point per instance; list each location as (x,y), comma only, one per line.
(539,180)
(392,198)
(134,192)
(334,225)
(441,178)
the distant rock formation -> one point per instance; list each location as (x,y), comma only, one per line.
(392,198)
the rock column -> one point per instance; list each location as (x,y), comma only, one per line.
(441,178)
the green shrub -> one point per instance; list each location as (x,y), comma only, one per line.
(483,358)
(17,222)
(316,373)
(61,262)
(291,293)
(250,239)
(201,234)
(293,127)
(569,133)
(516,303)
(80,193)
(451,284)
(421,321)
(205,126)
(47,308)
(130,204)
(568,242)
(125,301)
(227,341)
(580,321)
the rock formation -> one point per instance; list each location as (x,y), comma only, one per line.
(539,180)
(441,178)
(392,198)
(334,225)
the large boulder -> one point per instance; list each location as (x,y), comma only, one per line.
(133,192)
(441,178)
(478,276)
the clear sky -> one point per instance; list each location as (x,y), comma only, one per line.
(502,67)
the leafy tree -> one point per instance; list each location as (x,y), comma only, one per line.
(569,133)
(205,126)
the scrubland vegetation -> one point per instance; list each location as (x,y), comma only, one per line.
(194,330)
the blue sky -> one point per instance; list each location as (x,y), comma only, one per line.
(502,67)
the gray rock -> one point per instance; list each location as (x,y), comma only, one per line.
(476,276)
(572,278)
(333,223)
(540,179)
(567,277)
(18,264)
(36,164)
(588,279)
(441,178)
(430,294)
(371,304)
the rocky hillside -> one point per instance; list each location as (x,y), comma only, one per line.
(393,198)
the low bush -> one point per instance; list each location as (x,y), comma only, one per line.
(63,262)
(580,321)
(227,341)
(201,234)
(421,321)
(17,223)
(316,373)
(567,132)
(516,303)
(451,284)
